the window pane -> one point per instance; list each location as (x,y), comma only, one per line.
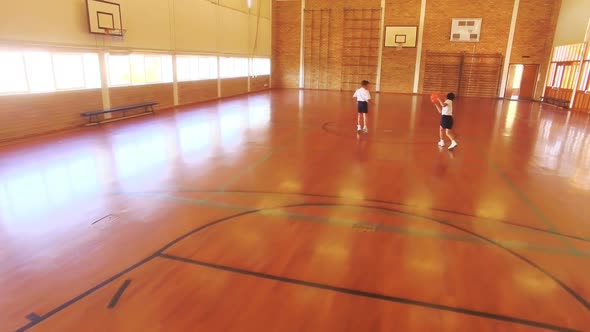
(91,71)
(207,68)
(167,69)
(194,68)
(241,67)
(119,73)
(153,69)
(261,66)
(12,73)
(183,67)
(137,62)
(39,71)
(69,71)
(227,67)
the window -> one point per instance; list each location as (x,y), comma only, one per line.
(260,66)
(138,69)
(39,71)
(69,71)
(233,67)
(13,78)
(194,68)
(42,71)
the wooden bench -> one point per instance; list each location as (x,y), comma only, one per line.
(557,102)
(148,109)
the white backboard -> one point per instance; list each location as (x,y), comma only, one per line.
(104,16)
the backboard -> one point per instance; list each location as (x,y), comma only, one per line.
(104,17)
(400,36)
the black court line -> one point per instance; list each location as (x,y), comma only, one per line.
(109,280)
(371,295)
(565,287)
(234,216)
(118,294)
(101,219)
(33,317)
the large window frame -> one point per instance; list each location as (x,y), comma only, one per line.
(32,71)
(261,67)
(197,68)
(234,67)
(139,69)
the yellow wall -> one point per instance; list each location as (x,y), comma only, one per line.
(573,21)
(192,26)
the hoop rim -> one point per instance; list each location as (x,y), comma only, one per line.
(115,32)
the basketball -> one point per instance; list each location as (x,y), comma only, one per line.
(434,98)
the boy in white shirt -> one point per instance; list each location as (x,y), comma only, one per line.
(363,98)
(446,120)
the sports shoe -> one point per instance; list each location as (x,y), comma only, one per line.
(441,143)
(453,145)
(366,130)
(358,128)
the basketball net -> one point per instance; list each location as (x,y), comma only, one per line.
(115,34)
(398,46)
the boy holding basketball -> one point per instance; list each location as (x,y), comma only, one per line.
(363,98)
(446,120)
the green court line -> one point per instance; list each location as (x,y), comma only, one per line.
(350,223)
(513,244)
(482,220)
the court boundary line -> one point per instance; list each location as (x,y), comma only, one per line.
(371,295)
(231,217)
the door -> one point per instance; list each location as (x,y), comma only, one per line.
(522,81)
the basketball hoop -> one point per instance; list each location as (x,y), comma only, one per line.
(398,46)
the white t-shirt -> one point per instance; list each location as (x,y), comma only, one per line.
(362,94)
(448,108)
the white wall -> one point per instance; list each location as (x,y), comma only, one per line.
(192,26)
(573,22)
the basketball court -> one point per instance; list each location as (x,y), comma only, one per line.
(263,209)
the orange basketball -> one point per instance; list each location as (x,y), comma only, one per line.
(434,98)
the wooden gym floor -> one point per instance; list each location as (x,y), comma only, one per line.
(267,213)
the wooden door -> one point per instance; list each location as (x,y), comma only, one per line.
(528,82)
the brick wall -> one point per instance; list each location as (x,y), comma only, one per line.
(31,114)
(259,83)
(496,17)
(398,66)
(336,33)
(533,35)
(196,91)
(286,36)
(129,95)
(234,86)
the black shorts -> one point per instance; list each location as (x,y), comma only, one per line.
(363,107)
(446,122)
